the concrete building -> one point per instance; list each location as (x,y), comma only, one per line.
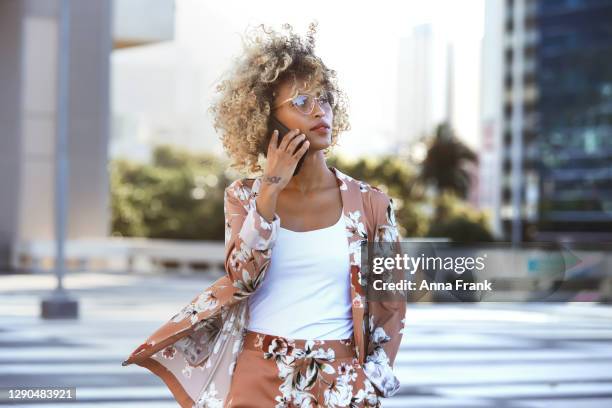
(508,119)
(546,119)
(29,49)
(491,115)
(424,93)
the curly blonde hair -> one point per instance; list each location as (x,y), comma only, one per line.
(243,107)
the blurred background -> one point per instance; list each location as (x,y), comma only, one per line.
(485,120)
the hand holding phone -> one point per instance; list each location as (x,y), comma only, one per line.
(275,124)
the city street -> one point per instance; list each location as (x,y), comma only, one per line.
(459,356)
(476,135)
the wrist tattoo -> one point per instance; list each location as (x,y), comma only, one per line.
(272,179)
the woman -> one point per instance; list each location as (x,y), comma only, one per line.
(289,325)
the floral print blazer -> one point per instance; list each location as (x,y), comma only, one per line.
(195,352)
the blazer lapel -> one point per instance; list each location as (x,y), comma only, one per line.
(355,234)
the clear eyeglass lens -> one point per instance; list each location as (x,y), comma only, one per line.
(305,103)
(301,100)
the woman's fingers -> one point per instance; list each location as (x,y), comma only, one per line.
(297,139)
(300,152)
(273,141)
(288,138)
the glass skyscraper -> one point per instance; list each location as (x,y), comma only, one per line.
(574,115)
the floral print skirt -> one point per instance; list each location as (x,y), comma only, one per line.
(274,371)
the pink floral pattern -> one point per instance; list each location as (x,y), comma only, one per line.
(304,373)
(195,352)
(302,369)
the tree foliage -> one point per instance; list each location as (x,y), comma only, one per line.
(445,164)
(179,195)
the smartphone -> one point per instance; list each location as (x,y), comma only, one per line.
(275,124)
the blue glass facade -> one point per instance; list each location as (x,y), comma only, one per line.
(574,114)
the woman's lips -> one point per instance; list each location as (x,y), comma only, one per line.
(321,129)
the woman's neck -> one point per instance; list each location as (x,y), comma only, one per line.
(313,175)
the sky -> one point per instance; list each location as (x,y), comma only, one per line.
(357,39)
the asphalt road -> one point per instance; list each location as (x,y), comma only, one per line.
(459,356)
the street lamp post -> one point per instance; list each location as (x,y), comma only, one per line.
(58,304)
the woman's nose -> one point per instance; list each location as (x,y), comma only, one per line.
(318,110)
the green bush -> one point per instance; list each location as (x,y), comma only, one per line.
(178,196)
(459,221)
(460,230)
(395,177)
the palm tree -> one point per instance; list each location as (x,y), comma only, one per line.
(444,167)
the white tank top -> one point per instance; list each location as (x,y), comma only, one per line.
(306,291)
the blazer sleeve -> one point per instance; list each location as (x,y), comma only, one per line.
(249,238)
(386,317)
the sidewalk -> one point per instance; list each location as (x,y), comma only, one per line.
(453,356)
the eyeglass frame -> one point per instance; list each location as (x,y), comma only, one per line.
(327,94)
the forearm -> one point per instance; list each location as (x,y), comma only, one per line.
(266,200)
(249,236)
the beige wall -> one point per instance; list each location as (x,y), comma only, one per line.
(29,46)
(10,123)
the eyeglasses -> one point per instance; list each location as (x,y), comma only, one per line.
(305,103)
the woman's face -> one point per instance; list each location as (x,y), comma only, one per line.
(291,117)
